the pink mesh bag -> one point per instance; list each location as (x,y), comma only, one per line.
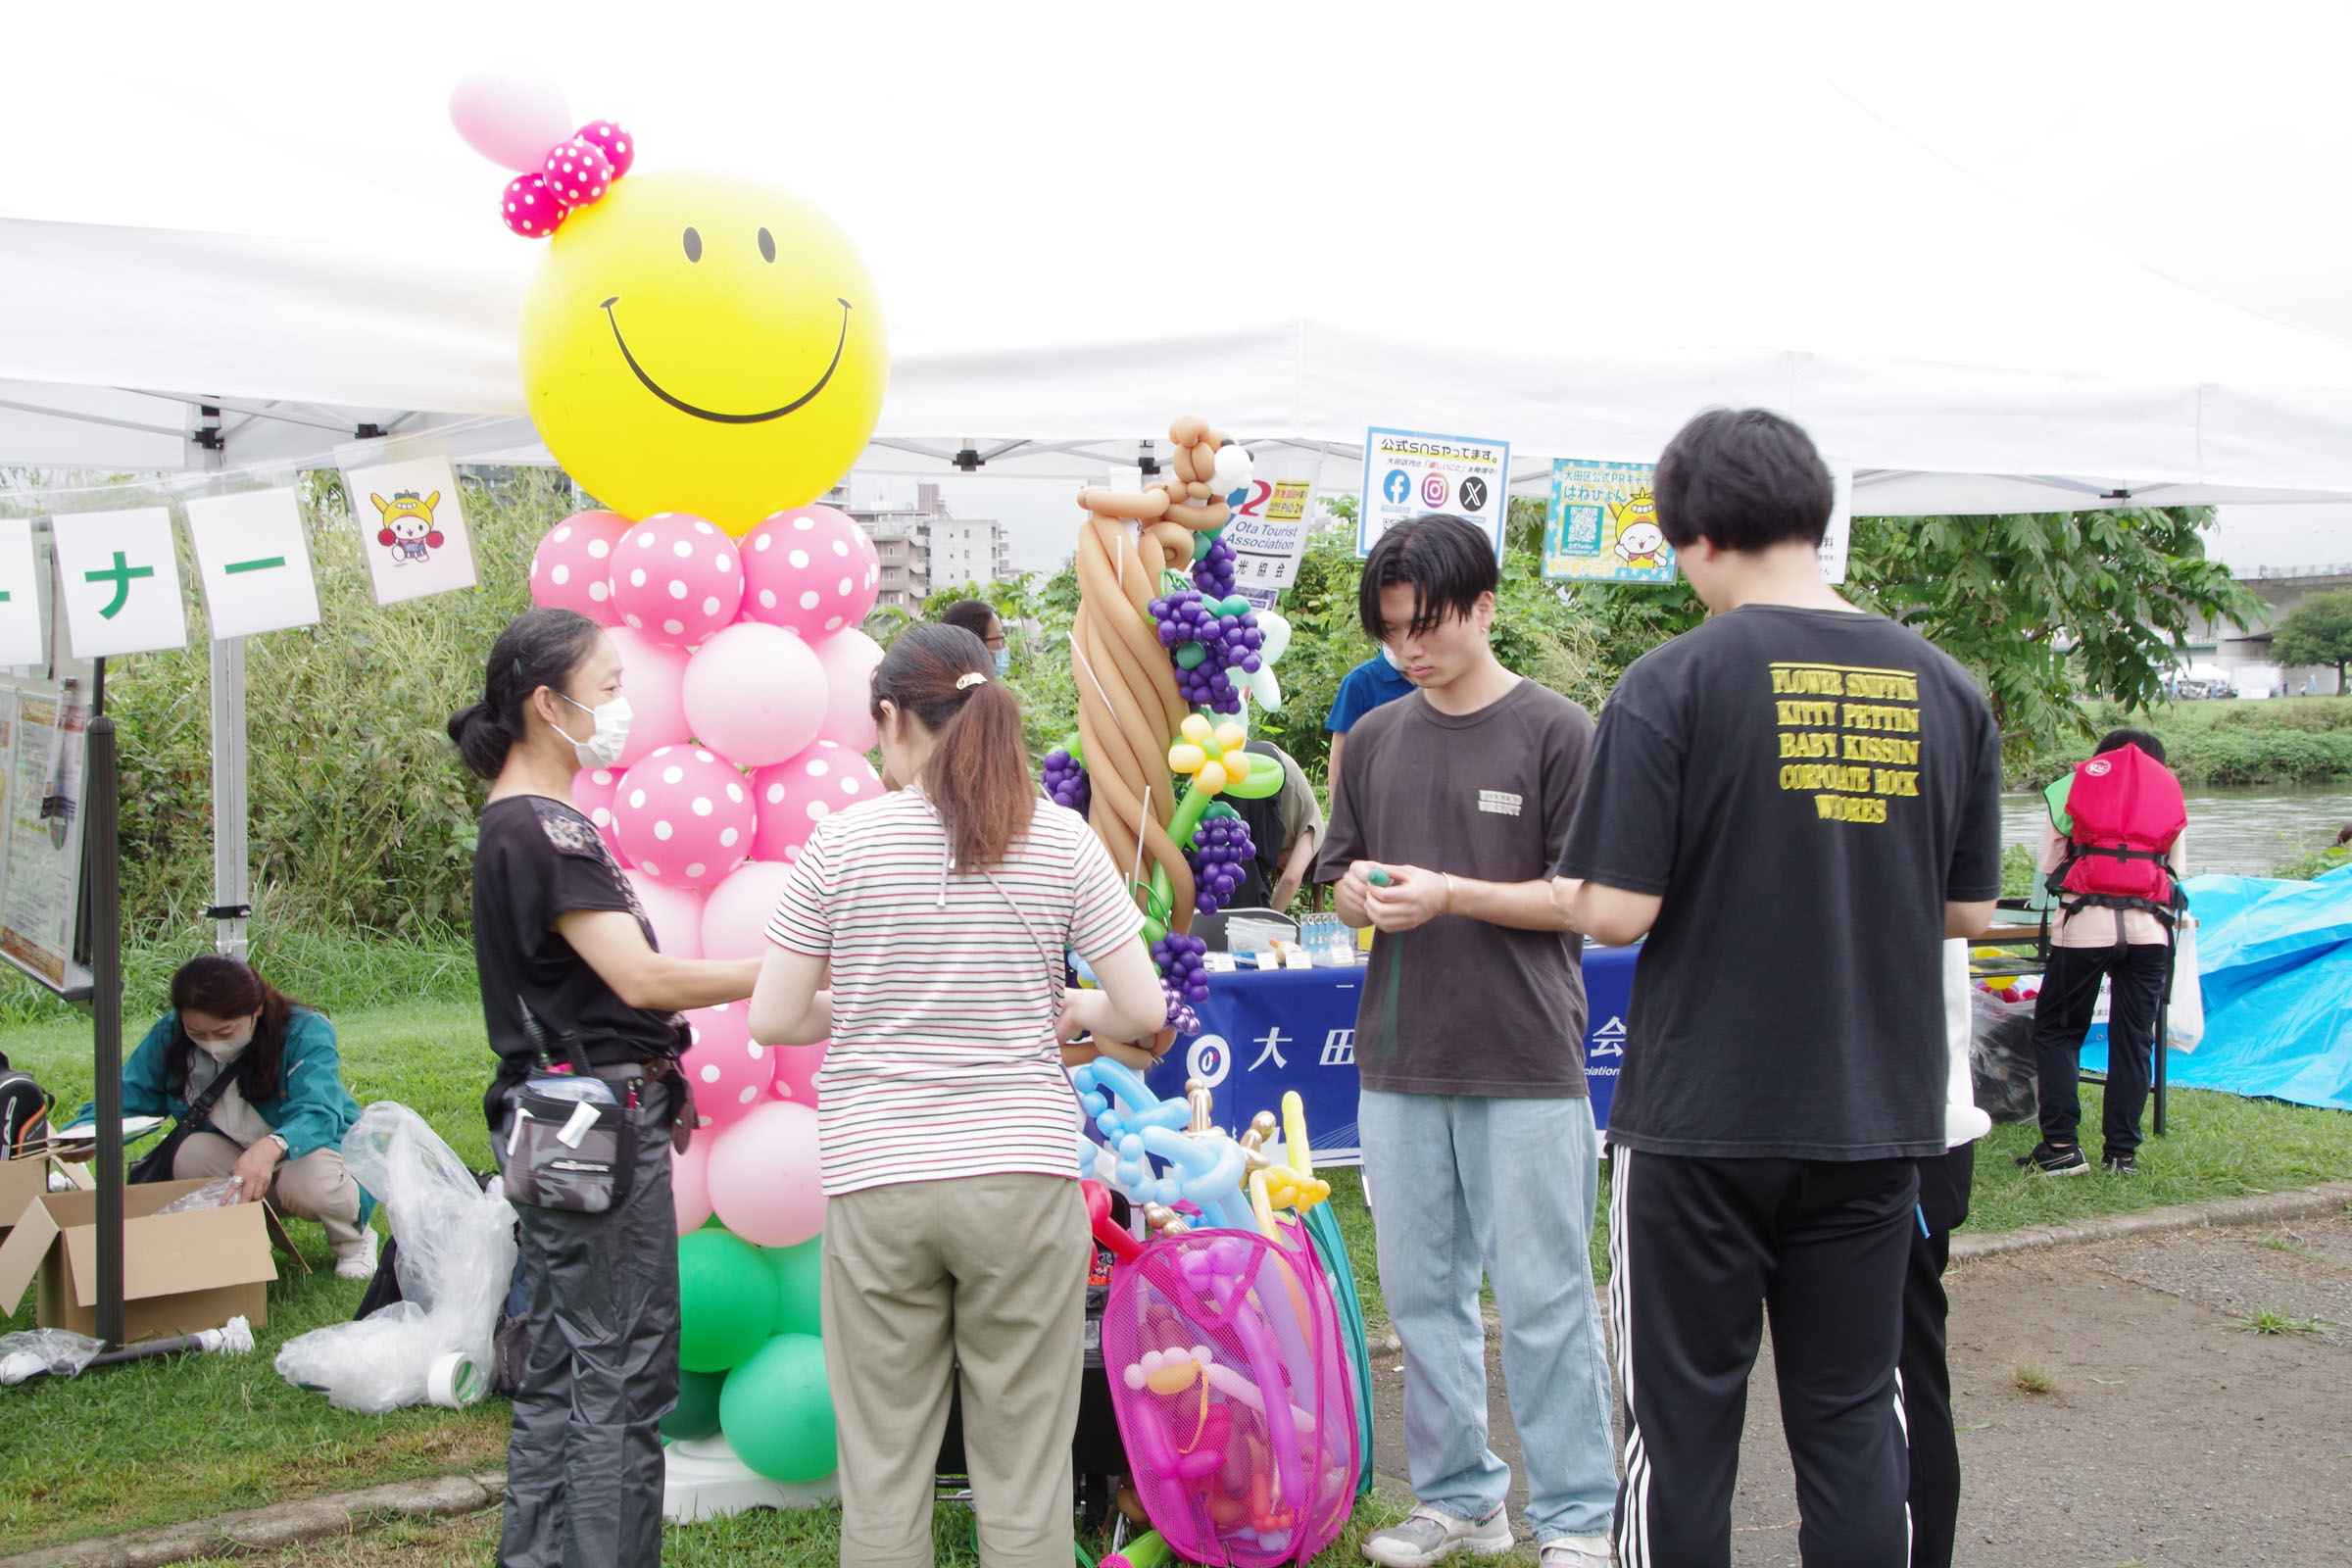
(1234,1395)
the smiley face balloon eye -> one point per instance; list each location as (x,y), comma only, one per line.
(767,246)
(693,246)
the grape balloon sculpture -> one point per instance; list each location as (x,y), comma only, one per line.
(704,354)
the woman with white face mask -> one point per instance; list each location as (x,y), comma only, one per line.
(565,953)
(266,1083)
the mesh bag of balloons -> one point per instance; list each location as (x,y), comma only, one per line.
(1236,1382)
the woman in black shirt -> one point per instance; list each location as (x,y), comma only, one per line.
(564,949)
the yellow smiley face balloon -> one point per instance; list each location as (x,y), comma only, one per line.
(703,343)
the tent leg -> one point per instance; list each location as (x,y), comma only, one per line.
(232,904)
(106,1008)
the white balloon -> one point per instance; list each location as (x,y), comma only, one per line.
(1266,689)
(1234,470)
(1277,632)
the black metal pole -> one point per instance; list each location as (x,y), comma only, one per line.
(105,1009)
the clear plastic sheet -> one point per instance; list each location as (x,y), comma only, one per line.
(454,1260)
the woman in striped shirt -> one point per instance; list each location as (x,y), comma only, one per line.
(923,933)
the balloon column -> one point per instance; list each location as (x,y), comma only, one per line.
(1148,645)
(705,352)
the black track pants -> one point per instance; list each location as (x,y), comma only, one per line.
(2069,994)
(1702,1251)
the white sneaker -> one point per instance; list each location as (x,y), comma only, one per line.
(1432,1537)
(359,1265)
(1576,1551)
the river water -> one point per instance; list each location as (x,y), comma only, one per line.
(2247,830)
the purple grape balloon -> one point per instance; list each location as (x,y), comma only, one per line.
(1213,572)
(1226,643)
(1065,782)
(1179,959)
(1219,858)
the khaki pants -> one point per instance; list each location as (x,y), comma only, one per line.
(314,1187)
(984,1275)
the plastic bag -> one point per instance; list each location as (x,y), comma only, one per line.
(2185,1017)
(2001,1056)
(212,1195)
(454,1259)
(33,1352)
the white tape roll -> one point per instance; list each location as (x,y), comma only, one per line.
(453,1380)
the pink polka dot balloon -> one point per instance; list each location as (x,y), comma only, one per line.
(577,172)
(796,1071)
(618,145)
(676,914)
(570,569)
(530,209)
(794,796)
(754,693)
(592,792)
(813,569)
(653,677)
(735,915)
(677,578)
(730,1071)
(684,816)
(848,657)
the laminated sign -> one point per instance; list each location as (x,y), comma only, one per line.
(1603,525)
(253,564)
(119,579)
(1407,473)
(412,529)
(22,640)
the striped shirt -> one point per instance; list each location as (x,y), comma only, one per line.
(943,1061)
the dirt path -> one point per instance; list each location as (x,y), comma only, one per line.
(2171,1434)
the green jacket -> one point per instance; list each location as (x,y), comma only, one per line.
(311,1109)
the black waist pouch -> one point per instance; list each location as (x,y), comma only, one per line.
(570,1153)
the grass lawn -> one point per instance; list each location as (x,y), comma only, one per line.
(204,1435)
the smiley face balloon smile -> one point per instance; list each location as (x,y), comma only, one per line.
(703,343)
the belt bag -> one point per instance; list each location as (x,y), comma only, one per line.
(566,1152)
(570,1153)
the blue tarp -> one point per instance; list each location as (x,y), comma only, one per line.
(2276,961)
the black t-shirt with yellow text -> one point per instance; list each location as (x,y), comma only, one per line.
(1805,789)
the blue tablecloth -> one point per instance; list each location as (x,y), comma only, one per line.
(1263,1032)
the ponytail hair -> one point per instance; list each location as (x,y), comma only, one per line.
(978,775)
(539,648)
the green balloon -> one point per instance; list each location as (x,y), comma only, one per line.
(1189,654)
(727,1299)
(1235,605)
(1204,541)
(777,1413)
(697,1411)
(1264,778)
(800,1279)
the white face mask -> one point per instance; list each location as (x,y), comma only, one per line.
(224,1049)
(602,746)
(1390,654)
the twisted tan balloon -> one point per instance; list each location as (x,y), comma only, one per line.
(1129,710)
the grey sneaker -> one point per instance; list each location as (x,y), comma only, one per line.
(1577,1552)
(1432,1537)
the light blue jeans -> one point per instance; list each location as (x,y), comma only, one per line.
(1461,1180)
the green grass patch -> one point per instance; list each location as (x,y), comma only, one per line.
(204,1435)
(2297,740)
(2279,1321)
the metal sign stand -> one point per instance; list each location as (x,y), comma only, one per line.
(232,904)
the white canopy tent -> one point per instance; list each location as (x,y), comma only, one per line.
(1312,228)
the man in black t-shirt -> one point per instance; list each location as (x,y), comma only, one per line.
(1796,803)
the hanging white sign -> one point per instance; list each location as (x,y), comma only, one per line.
(22,640)
(118,576)
(412,528)
(252,562)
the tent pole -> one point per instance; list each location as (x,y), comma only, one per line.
(231,888)
(106,1008)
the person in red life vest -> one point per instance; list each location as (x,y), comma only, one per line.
(2112,851)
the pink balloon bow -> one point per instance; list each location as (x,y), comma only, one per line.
(575,172)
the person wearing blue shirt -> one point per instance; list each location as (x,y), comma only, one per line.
(278,1126)
(1374,683)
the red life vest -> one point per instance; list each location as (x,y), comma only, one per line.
(2126,810)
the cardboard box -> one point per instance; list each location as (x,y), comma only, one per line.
(24,1179)
(180,1272)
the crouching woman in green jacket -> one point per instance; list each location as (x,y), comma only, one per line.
(277,1126)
